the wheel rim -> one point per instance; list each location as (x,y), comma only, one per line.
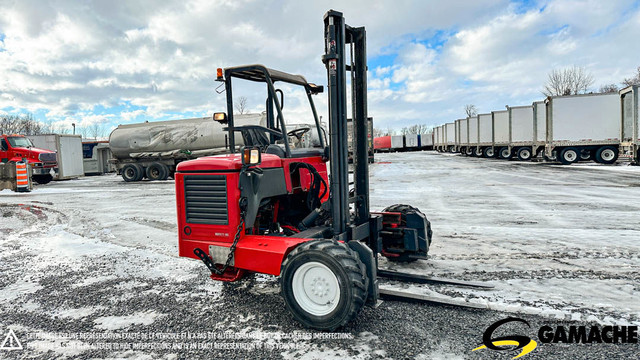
(129,173)
(505,153)
(570,156)
(489,153)
(607,155)
(316,288)
(525,154)
(155,173)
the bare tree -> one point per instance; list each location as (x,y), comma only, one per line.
(608,88)
(425,129)
(95,131)
(20,124)
(634,80)
(568,81)
(390,131)
(470,110)
(378,132)
(241,105)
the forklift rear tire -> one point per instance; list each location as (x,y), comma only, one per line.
(132,172)
(42,179)
(157,171)
(324,284)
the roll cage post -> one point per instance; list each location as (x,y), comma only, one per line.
(259,73)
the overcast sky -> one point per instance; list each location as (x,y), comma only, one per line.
(115,62)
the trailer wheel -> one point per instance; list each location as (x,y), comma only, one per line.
(132,172)
(324,284)
(157,171)
(477,152)
(607,155)
(488,152)
(569,155)
(524,154)
(585,155)
(504,153)
(42,179)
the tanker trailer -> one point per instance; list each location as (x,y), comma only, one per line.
(153,149)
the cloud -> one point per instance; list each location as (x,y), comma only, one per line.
(69,62)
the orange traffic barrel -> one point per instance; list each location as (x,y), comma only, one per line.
(22,177)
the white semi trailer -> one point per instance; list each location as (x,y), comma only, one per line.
(539,127)
(522,124)
(462,136)
(485,136)
(630,123)
(438,142)
(450,137)
(472,125)
(583,126)
(501,134)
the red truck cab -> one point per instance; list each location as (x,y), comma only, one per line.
(14,148)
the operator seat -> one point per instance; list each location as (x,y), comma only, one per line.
(276,150)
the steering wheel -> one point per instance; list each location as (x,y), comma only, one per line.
(299,132)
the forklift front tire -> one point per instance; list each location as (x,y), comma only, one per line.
(324,284)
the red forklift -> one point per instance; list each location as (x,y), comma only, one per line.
(275,208)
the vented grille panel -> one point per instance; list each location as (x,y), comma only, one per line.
(47,157)
(206,199)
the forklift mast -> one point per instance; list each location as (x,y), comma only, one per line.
(337,36)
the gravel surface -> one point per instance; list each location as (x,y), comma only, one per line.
(98,257)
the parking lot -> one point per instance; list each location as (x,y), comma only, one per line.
(97,256)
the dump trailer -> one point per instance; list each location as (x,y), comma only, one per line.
(153,149)
(450,137)
(630,124)
(539,127)
(485,136)
(472,126)
(521,122)
(583,127)
(68,150)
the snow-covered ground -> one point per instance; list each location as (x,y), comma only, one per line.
(99,254)
(553,240)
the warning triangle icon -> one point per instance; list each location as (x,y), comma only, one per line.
(11,342)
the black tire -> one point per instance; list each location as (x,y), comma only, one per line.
(569,156)
(42,179)
(488,152)
(404,210)
(477,152)
(524,154)
(504,153)
(607,155)
(157,171)
(132,172)
(586,155)
(348,270)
